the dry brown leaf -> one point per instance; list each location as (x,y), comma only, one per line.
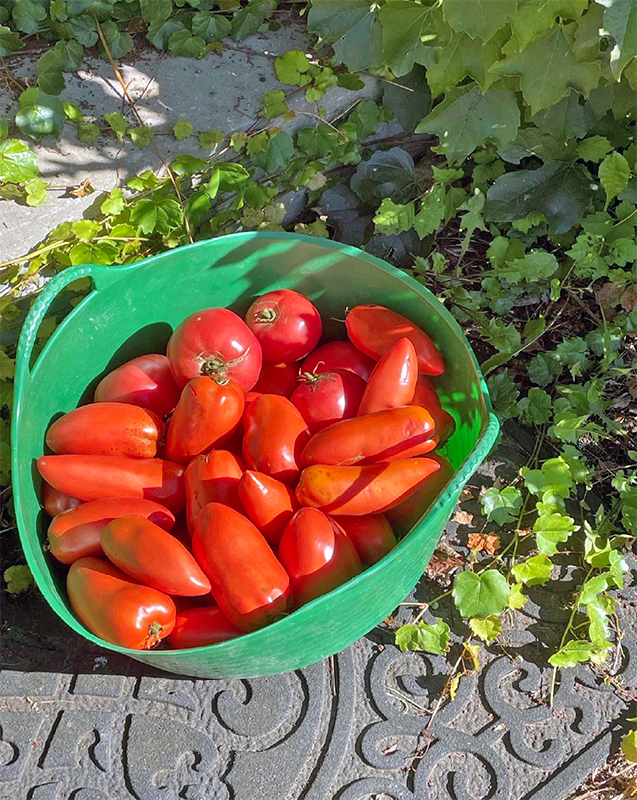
(467,494)
(83,189)
(632,386)
(629,299)
(441,566)
(489,542)
(499,482)
(463,517)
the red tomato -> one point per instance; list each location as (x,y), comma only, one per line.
(180,530)
(268,502)
(77,533)
(381,436)
(106,429)
(145,381)
(277,379)
(362,490)
(56,502)
(275,435)
(214,342)
(328,397)
(404,516)
(153,557)
(393,380)
(426,396)
(94,477)
(317,555)
(339,355)
(248,582)
(115,608)
(286,324)
(374,329)
(200,627)
(213,478)
(207,414)
(371,535)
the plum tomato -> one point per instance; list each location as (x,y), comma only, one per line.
(268,503)
(340,354)
(403,517)
(144,381)
(213,478)
(287,325)
(327,397)
(427,397)
(277,379)
(55,502)
(393,380)
(200,627)
(371,534)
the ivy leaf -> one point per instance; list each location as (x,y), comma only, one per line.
(258,143)
(501,506)
(573,354)
(554,474)
(209,27)
(17,162)
(84,30)
(231,176)
(629,508)
(594,148)
(119,42)
(291,66)
(613,175)
(366,117)
(431,212)
(480,595)
(409,98)
(156,214)
(404,25)
(572,654)
(93,253)
(88,132)
(9,41)
(486,629)
(538,406)
(466,118)
(430,638)
(73,112)
(387,174)
(102,9)
(18,578)
(118,124)
(394,217)
(141,136)
(160,31)
(316,142)
(462,57)
(543,368)
(591,588)
(504,394)
(114,203)
(210,139)
(85,229)
(534,17)
(473,219)
(36,192)
(187,165)
(182,129)
(250,18)
(277,154)
(534,571)
(620,20)
(50,78)
(517,598)
(478,18)
(352,27)
(274,105)
(27,15)
(534,266)
(552,529)
(39,114)
(183,43)
(153,10)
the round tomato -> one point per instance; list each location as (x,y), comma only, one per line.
(372,536)
(268,502)
(374,329)
(214,342)
(287,325)
(153,557)
(426,396)
(115,608)
(277,379)
(213,478)
(393,380)
(145,381)
(207,414)
(328,397)
(339,355)
(404,516)
(56,502)
(248,582)
(106,429)
(200,627)
(317,555)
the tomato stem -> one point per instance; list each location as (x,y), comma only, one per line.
(154,637)
(266,315)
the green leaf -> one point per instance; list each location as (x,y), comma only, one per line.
(209,27)
(461,57)
(534,266)
(50,66)
(85,229)
(629,508)
(197,206)
(291,66)
(404,25)
(316,142)
(258,143)
(27,15)
(591,588)
(543,368)
(4,129)
(188,165)
(486,629)
(250,18)
(478,18)
(431,212)
(548,71)
(620,20)
(554,474)
(7,366)
(538,406)
(231,176)
(153,10)
(409,98)
(279,151)
(572,654)
(18,578)
(73,112)
(102,9)
(183,43)
(210,139)
(387,174)
(274,105)
(352,27)
(9,41)
(84,30)
(114,203)
(39,114)
(480,595)
(393,218)
(430,638)
(473,219)
(573,354)
(119,42)
(629,747)
(594,148)
(17,162)
(517,598)
(118,124)
(141,136)
(71,53)
(501,506)
(156,214)
(504,394)
(93,253)
(88,132)
(366,117)
(534,571)
(160,31)
(182,129)
(537,16)
(613,175)
(466,118)
(36,192)
(552,529)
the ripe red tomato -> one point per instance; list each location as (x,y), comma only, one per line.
(94,477)
(317,555)
(393,379)
(214,342)
(150,555)
(275,435)
(213,478)
(426,396)
(382,436)
(371,535)
(77,533)
(362,490)
(374,329)
(277,379)
(207,414)
(339,355)
(328,397)
(268,503)
(55,502)
(145,381)
(403,517)
(200,627)
(115,608)
(248,582)
(287,325)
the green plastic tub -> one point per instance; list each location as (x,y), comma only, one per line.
(133,309)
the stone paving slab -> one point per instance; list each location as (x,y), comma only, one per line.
(79,723)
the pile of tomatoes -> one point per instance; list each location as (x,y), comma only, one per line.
(210,490)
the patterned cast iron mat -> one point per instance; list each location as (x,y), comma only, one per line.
(79,723)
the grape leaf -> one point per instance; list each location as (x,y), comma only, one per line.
(461,57)
(552,529)
(572,653)
(209,27)
(594,148)
(160,31)
(613,175)
(517,598)
(210,139)
(114,203)
(486,629)
(85,229)
(409,104)
(9,41)
(533,17)
(141,136)
(291,67)
(387,174)
(478,18)
(18,579)
(405,23)
(118,124)
(501,506)
(50,66)
(480,595)
(93,253)
(17,162)
(352,27)
(36,192)
(316,141)
(183,43)
(534,571)
(39,114)
(27,15)
(394,217)
(156,214)
(273,105)
(153,10)
(620,20)
(430,638)
(187,165)
(366,117)
(119,42)
(84,30)
(182,129)
(277,154)
(568,118)
(88,132)
(554,474)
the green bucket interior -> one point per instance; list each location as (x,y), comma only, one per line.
(133,310)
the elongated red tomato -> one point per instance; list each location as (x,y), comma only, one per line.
(200,627)
(268,503)
(78,532)
(115,608)
(393,379)
(144,381)
(56,502)
(150,555)
(374,329)
(328,397)
(106,429)
(317,555)
(287,325)
(94,477)
(277,379)
(371,535)
(340,354)
(381,436)
(248,582)
(207,414)
(427,397)
(404,516)
(362,490)
(214,342)
(275,435)
(213,478)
